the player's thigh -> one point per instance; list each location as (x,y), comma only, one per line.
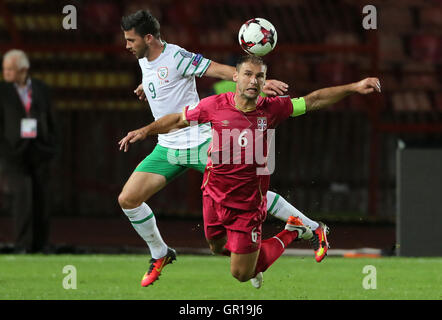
(244,229)
(214,230)
(242,266)
(163,161)
(150,176)
(139,187)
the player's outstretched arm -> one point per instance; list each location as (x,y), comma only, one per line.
(220,71)
(225,72)
(165,124)
(325,97)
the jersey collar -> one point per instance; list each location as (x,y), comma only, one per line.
(231,98)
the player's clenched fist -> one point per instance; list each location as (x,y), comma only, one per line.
(368,85)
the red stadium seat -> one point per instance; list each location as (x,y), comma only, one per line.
(425,47)
(334,73)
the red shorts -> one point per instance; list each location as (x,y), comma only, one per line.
(242,228)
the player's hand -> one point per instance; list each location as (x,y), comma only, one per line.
(139,91)
(368,85)
(132,137)
(275,88)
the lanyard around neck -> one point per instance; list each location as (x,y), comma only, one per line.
(27,103)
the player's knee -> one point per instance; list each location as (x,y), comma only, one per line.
(127,202)
(240,275)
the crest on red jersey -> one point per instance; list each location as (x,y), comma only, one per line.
(262,123)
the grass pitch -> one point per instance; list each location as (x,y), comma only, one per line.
(41,277)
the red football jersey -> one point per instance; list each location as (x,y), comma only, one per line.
(236,174)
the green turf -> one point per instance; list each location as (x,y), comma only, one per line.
(208,277)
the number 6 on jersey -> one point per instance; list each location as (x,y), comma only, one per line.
(242,139)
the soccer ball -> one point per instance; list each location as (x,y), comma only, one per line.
(257,36)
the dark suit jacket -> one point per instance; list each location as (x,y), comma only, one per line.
(12,146)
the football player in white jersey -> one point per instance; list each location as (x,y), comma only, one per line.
(169,73)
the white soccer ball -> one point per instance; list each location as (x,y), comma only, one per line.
(257,36)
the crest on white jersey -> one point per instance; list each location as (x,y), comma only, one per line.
(163,72)
(262,123)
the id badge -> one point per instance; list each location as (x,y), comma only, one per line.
(28,128)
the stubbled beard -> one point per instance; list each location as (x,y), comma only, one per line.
(143,53)
(246,96)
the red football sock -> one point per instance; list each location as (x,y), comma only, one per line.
(272,249)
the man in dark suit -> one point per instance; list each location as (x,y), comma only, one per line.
(28,142)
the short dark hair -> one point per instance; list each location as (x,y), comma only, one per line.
(143,22)
(250,58)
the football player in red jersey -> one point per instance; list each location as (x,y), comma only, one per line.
(236,180)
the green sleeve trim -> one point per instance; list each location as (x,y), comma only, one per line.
(205,68)
(188,65)
(298,107)
(196,68)
(181,61)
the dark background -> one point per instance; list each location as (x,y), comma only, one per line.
(337,165)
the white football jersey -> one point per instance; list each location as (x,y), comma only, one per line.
(169,85)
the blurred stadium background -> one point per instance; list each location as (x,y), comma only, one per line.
(337,165)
